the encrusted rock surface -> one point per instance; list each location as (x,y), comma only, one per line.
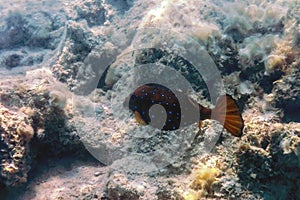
(52,60)
(15,137)
(33,123)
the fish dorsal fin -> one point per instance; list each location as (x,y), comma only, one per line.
(228,112)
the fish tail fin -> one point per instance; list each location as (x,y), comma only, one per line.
(228,113)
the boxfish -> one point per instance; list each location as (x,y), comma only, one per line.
(148,95)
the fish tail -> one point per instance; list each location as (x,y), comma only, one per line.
(228,113)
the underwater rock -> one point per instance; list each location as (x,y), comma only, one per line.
(13,60)
(16,133)
(247,17)
(12,34)
(120,188)
(29,39)
(254,44)
(70,67)
(268,156)
(32,124)
(92,11)
(287,95)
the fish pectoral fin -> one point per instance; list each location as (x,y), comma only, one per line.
(200,124)
(139,118)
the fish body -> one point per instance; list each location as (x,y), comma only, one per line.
(176,114)
(148,95)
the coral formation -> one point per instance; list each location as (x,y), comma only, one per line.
(202,182)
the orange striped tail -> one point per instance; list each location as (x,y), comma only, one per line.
(228,113)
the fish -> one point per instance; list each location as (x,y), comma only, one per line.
(145,96)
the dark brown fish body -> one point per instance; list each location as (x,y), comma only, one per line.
(152,94)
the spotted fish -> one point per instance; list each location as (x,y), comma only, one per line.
(148,95)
